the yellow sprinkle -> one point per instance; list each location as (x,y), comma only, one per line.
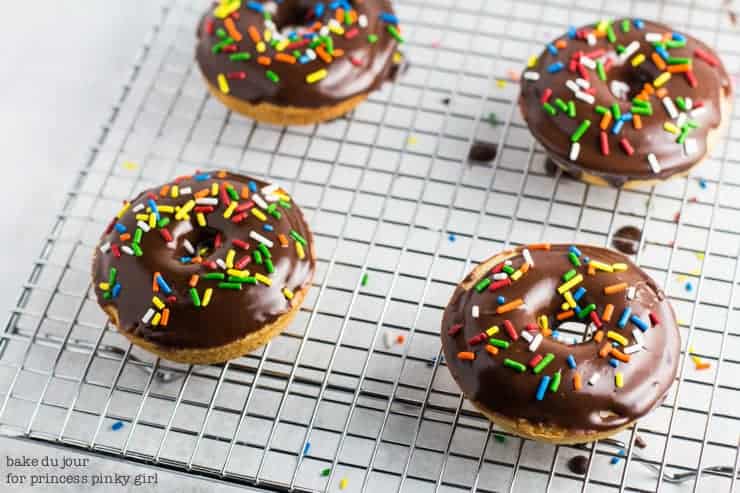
(226,8)
(397,57)
(619,267)
(695,272)
(129,165)
(104,286)
(601,266)
(570,284)
(638,59)
(288,293)
(207,297)
(165,209)
(343,483)
(299,251)
(682,278)
(602,25)
(670,127)
(237,272)
(411,140)
(214,189)
(223,84)
(263,279)
(571,302)
(336,29)
(230,258)
(123,210)
(268,35)
(492,331)
(156,319)
(157,302)
(532,61)
(501,83)
(565,307)
(152,220)
(174,191)
(543,322)
(516,275)
(619,379)
(282,44)
(258,214)
(616,336)
(314,77)
(261,48)
(662,79)
(700,255)
(142,217)
(187,207)
(201,220)
(230,209)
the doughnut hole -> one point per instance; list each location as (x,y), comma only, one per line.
(292,13)
(203,240)
(634,78)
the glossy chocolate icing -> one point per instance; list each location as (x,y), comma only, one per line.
(362,68)
(501,390)
(231,314)
(553,132)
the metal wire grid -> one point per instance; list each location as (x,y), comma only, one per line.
(387,190)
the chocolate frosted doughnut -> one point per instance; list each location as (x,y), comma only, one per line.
(512,334)
(206,268)
(627,102)
(297,62)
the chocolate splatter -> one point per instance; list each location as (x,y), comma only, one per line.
(627,239)
(578,464)
(482,152)
(640,442)
(446,101)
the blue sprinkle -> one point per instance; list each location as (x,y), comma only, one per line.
(388,17)
(626,117)
(703,183)
(639,24)
(576,308)
(202,176)
(268,227)
(571,361)
(318,9)
(615,344)
(452,237)
(542,388)
(431,362)
(500,300)
(185,260)
(555,67)
(116,290)
(586,259)
(306,448)
(304,59)
(617,127)
(615,460)
(163,285)
(116,426)
(572,33)
(555,334)
(662,52)
(252,186)
(551,48)
(153,206)
(613,362)
(638,321)
(120,228)
(689,287)
(624,317)
(575,250)
(678,37)
(579,293)
(256,6)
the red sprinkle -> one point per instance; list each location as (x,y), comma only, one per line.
(703,55)
(209,26)
(236,75)
(116,251)
(626,146)
(604,143)
(239,218)
(654,319)
(499,284)
(477,339)
(497,268)
(171,298)
(595,319)
(454,329)
(241,244)
(691,78)
(535,360)
(165,233)
(229,49)
(206,209)
(532,327)
(245,206)
(582,71)
(351,33)
(109,228)
(546,95)
(357,62)
(243,262)
(217,242)
(510,330)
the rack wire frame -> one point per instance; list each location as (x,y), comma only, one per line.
(389,193)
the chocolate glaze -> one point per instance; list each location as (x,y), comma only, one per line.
(344,79)
(603,406)
(231,315)
(554,132)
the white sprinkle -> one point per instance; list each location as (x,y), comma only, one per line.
(271,26)
(654,164)
(127,250)
(500,276)
(571,84)
(639,338)
(269,189)
(476,311)
(258,237)
(697,112)
(531,75)
(259,201)
(528,257)
(144,226)
(324,31)
(148,315)
(189,247)
(591,329)
(591,39)
(508,262)
(186,191)
(632,349)
(631,292)
(536,342)
(690,147)
(220,262)
(105,247)
(583,83)
(588,62)
(653,37)
(585,97)
(207,201)
(527,336)
(682,119)
(388,339)
(572,327)
(138,208)
(362,20)
(619,89)
(670,108)
(594,378)
(689,103)
(629,51)
(575,150)
(310,54)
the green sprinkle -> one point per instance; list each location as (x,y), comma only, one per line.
(492,119)
(569,275)
(515,365)
(555,382)
(499,343)
(284,204)
(561,105)
(616,111)
(240,57)
(230,285)
(267,15)
(692,124)
(257,256)
(218,276)
(329,44)
(138,235)
(571,109)
(682,137)
(583,313)
(600,70)
(221,32)
(642,110)
(107,295)
(372,38)
(678,61)
(499,438)
(137,249)
(232,193)
(580,131)
(163,222)
(265,251)
(673,43)
(325,472)
(681,103)
(194,296)
(268,265)
(394,32)
(297,237)
(482,285)
(550,109)
(625,25)
(272,76)
(239,279)
(112,276)
(574,259)
(363,282)
(610,33)
(601,109)
(221,45)
(545,361)
(620,49)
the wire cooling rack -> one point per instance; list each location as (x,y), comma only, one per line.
(390,194)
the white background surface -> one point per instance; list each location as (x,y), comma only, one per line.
(62,66)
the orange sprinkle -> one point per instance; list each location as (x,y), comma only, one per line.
(524,268)
(625,358)
(606,120)
(539,246)
(164,191)
(155,284)
(221,174)
(677,69)
(264,60)
(352,16)
(591,270)
(615,288)
(339,15)
(283,240)
(323,54)
(466,355)
(245,193)
(564,315)
(232,30)
(608,310)
(125,237)
(510,306)
(561,44)
(636,121)
(165,317)
(202,193)
(492,349)
(662,92)
(658,61)
(400,338)
(546,332)
(284,57)
(317,25)
(702,365)
(577,381)
(194,280)
(196,260)
(254,34)
(599,336)
(338,52)
(605,350)
(648,87)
